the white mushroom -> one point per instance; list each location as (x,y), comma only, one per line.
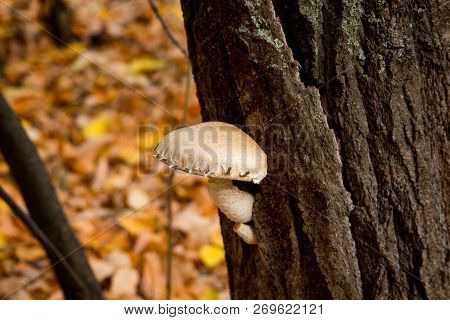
(223,153)
(236,204)
(246,232)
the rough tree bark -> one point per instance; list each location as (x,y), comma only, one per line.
(356,201)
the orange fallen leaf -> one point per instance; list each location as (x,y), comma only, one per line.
(29,253)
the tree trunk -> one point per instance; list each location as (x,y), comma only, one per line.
(355,204)
(58,18)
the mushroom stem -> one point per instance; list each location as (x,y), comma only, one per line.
(222,152)
(236,204)
(246,232)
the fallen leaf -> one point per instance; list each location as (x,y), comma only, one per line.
(211,255)
(102,269)
(29,253)
(103,13)
(120,178)
(107,243)
(149,240)
(191,222)
(136,226)
(143,65)
(3,240)
(118,259)
(25,99)
(137,198)
(124,282)
(209,294)
(101,174)
(10,284)
(97,126)
(152,282)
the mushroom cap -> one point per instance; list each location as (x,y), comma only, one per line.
(214,149)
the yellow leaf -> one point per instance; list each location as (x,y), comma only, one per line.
(73,49)
(106,243)
(98,126)
(103,13)
(169,9)
(143,65)
(3,240)
(3,205)
(211,255)
(209,294)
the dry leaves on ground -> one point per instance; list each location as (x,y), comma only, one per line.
(94,109)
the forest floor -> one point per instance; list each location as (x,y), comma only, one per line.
(95,108)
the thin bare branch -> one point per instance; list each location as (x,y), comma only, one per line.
(174,40)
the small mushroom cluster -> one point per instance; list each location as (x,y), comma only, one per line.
(222,152)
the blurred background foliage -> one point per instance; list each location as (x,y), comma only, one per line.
(95,104)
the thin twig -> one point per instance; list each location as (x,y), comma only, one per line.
(169,236)
(166,29)
(169,261)
(40,236)
(90,240)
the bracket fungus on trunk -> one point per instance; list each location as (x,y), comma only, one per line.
(222,152)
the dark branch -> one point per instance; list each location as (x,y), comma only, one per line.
(43,205)
(51,250)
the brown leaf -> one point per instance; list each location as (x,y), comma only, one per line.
(102,269)
(124,282)
(152,283)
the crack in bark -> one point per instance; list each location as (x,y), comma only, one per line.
(266,88)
